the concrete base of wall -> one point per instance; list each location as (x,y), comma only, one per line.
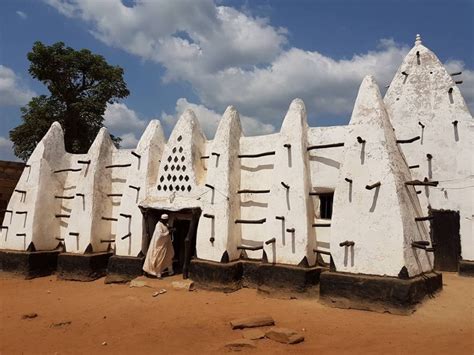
(122,269)
(268,278)
(466,268)
(29,264)
(377,293)
(82,267)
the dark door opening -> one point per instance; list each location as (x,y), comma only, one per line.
(446,239)
(181,230)
(183,226)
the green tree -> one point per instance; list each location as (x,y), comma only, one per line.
(81,84)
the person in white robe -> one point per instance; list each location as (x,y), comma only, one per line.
(160,252)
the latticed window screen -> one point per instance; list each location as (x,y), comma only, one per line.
(325,205)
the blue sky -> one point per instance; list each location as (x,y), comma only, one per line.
(255,55)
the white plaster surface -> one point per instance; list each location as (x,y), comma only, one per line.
(423,97)
(381,222)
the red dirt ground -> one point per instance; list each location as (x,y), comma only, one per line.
(131,321)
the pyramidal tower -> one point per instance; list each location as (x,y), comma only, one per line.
(377,227)
(435,131)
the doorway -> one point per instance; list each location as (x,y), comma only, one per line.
(446,239)
(183,224)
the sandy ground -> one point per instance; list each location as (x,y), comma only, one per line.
(131,321)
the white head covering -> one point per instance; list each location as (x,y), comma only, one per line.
(164,216)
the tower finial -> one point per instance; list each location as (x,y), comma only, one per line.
(418,39)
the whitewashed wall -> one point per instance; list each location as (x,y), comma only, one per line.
(420,94)
(380,221)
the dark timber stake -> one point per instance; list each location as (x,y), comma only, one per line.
(212,239)
(413,166)
(76,234)
(360,140)
(62,215)
(207,215)
(128,235)
(250,221)
(348,180)
(411,140)
(346,243)
(373,186)
(281,218)
(21,212)
(450,91)
(290,230)
(270,241)
(3,227)
(205,157)
(109,219)
(118,166)
(134,187)
(20,191)
(287,145)
(70,169)
(253,191)
(216,154)
(126,215)
(421,124)
(429,156)
(244,247)
(209,186)
(21,234)
(455,123)
(321,224)
(428,218)
(136,154)
(256,155)
(456,73)
(87,162)
(458,82)
(418,246)
(421,242)
(114,195)
(285,185)
(65,197)
(107,240)
(324,146)
(422,183)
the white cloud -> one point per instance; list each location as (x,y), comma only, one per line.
(119,117)
(6,149)
(129,140)
(209,119)
(22,15)
(12,92)
(122,121)
(232,57)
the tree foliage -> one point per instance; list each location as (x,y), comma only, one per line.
(80,84)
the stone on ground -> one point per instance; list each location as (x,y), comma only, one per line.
(253,334)
(29,316)
(284,335)
(138,283)
(252,322)
(240,344)
(186,285)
